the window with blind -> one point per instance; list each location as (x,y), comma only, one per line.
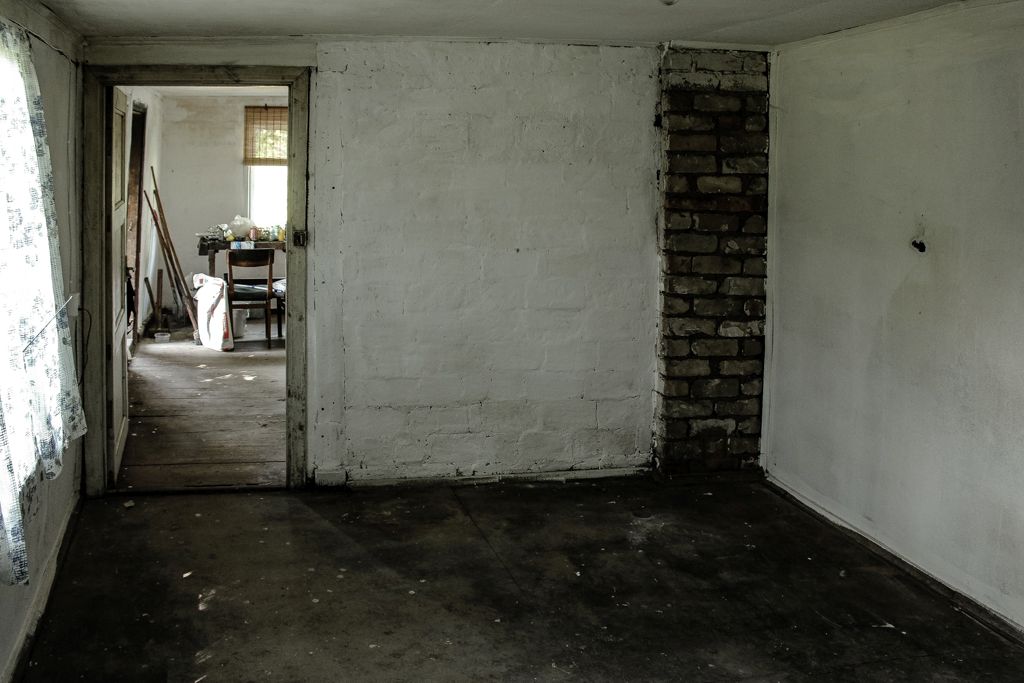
(266,136)
(265,155)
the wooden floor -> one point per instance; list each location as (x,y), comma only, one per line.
(203,419)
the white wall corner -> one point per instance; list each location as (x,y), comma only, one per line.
(774,173)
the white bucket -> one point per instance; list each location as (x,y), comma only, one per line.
(238,319)
(162,337)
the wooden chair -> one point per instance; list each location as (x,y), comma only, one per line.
(281,297)
(252,292)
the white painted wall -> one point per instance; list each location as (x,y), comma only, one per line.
(51,503)
(484,259)
(896,382)
(202,179)
(435,347)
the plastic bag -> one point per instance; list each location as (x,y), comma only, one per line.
(240,225)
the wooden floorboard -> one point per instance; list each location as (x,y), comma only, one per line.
(203,476)
(197,454)
(169,406)
(173,424)
(205,419)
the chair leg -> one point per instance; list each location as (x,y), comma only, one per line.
(280,312)
(266,321)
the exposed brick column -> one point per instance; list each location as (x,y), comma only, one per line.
(715,113)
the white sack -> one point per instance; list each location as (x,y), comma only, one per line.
(212,311)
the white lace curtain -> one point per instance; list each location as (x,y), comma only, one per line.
(40,409)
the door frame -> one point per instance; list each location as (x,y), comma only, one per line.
(96,80)
(116,324)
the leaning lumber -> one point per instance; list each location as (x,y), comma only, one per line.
(170,243)
(178,283)
(161,319)
(163,250)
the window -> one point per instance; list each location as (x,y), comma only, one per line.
(266,159)
(268,195)
(40,410)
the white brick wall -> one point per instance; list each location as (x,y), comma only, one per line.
(483,265)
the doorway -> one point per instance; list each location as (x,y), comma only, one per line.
(197,418)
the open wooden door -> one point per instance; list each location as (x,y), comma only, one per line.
(117,352)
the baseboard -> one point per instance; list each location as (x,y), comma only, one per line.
(18,663)
(742,476)
(980,613)
(559,476)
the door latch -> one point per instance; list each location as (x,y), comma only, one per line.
(299,238)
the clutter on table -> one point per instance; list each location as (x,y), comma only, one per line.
(240,233)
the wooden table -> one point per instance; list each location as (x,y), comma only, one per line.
(210,247)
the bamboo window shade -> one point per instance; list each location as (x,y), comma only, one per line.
(266,136)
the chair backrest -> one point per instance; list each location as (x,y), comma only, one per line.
(250,258)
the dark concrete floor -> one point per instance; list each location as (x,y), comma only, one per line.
(615,580)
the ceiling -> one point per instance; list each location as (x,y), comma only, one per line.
(752,22)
